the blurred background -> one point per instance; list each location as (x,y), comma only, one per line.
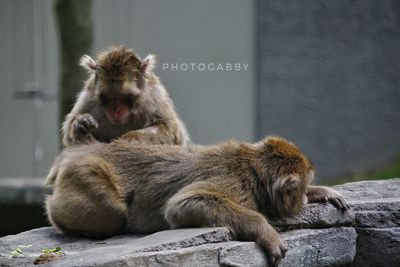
(323,74)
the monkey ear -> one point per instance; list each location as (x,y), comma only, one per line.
(148,63)
(88,63)
(290,182)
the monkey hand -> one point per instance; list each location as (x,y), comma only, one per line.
(274,248)
(326,194)
(82,127)
(84,124)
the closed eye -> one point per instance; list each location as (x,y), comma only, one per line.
(103,99)
(128,99)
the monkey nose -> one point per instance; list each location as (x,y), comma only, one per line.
(117,115)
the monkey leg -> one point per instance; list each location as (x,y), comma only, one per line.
(86,200)
(198,205)
(325,194)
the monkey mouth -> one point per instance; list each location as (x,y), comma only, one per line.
(117,114)
(116,121)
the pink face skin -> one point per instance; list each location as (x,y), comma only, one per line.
(118,105)
(117,113)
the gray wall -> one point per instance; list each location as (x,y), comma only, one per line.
(329,80)
(29,62)
(214,105)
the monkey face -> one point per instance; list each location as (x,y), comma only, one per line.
(292,195)
(287,174)
(117,109)
(117,99)
(118,77)
(287,195)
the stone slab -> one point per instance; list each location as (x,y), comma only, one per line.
(183,247)
(378,247)
(116,247)
(316,215)
(376,204)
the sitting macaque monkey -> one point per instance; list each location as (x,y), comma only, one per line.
(123,95)
(125,187)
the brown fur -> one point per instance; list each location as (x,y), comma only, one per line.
(103,188)
(119,79)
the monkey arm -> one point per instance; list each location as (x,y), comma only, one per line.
(198,205)
(160,133)
(325,194)
(79,124)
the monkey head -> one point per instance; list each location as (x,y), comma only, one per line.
(118,81)
(285,174)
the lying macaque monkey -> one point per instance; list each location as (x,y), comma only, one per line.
(125,187)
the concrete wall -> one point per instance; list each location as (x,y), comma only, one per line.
(214,105)
(29,62)
(329,80)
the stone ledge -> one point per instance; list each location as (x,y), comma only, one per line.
(316,216)
(378,247)
(375,204)
(376,207)
(202,246)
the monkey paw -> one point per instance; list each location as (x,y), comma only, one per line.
(84,124)
(326,194)
(276,251)
(336,199)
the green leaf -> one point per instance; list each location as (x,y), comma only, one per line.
(56,250)
(16,252)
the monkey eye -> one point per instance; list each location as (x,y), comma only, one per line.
(103,99)
(128,99)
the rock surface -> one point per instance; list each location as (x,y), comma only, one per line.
(316,216)
(323,236)
(376,204)
(378,247)
(376,207)
(184,247)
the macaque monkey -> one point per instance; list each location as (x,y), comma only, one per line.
(125,187)
(123,96)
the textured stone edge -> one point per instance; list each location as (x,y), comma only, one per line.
(316,216)
(307,247)
(377,247)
